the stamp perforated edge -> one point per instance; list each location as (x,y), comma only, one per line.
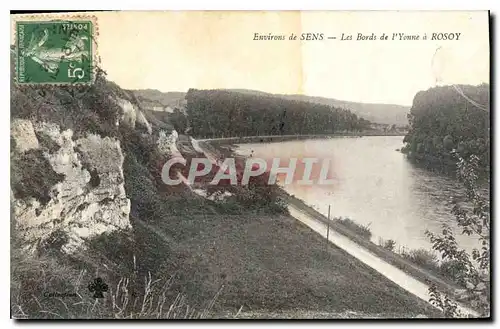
(56,17)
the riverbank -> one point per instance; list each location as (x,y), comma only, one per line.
(415,271)
(285,138)
(289,252)
(423,275)
(401,278)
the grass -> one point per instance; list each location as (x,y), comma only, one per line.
(84,109)
(422,257)
(32,176)
(424,275)
(265,261)
(37,281)
(273,263)
(451,270)
(215,266)
(310,315)
(361,230)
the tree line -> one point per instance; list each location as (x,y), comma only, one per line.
(223,113)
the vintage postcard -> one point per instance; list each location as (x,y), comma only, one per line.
(250,165)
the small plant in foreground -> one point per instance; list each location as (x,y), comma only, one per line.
(44,288)
(362,230)
(474,268)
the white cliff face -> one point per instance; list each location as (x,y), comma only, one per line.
(167,144)
(143,122)
(132,116)
(22,132)
(91,199)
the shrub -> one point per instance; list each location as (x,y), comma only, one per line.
(362,230)
(453,269)
(388,244)
(54,242)
(422,257)
(84,109)
(33,176)
(47,142)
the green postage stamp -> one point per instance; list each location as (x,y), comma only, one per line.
(55,51)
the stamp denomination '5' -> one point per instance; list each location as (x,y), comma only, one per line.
(54,52)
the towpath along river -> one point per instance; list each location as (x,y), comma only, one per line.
(391,272)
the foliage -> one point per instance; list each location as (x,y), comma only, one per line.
(443,302)
(47,142)
(472,270)
(84,109)
(361,230)
(389,244)
(33,176)
(442,119)
(422,257)
(222,113)
(446,269)
(452,269)
(179,120)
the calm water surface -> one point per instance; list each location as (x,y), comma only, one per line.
(374,185)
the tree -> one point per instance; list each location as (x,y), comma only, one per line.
(444,113)
(179,121)
(216,113)
(474,268)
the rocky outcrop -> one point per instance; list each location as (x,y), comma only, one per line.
(167,144)
(23,135)
(132,116)
(89,201)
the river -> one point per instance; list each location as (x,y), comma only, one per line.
(374,185)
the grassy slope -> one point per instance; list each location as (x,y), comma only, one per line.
(276,263)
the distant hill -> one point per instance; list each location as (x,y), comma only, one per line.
(377,113)
(159,98)
(228,113)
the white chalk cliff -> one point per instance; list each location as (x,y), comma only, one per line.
(82,205)
(90,200)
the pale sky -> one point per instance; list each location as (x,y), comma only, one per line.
(175,51)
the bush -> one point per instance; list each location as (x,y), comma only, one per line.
(453,269)
(84,109)
(47,142)
(54,242)
(422,257)
(388,244)
(33,176)
(361,230)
